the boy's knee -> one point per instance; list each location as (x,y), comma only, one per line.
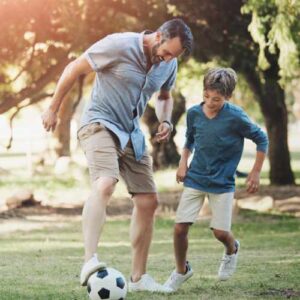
(220,234)
(181,229)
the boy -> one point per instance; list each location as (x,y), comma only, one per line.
(215,131)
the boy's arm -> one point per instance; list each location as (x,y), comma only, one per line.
(187,150)
(253,177)
(251,131)
(183,165)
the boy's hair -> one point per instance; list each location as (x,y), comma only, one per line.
(222,80)
(178,28)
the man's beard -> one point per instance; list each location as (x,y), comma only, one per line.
(155,59)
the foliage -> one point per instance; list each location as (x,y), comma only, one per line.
(275,26)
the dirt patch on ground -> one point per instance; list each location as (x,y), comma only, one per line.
(123,206)
(276,192)
(286,293)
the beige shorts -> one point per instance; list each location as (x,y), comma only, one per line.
(191,203)
(106,159)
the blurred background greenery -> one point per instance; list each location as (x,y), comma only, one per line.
(259,39)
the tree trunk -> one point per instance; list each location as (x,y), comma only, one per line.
(276,119)
(164,154)
(271,99)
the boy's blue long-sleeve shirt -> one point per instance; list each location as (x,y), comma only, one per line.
(218,145)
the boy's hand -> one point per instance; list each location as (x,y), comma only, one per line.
(49,119)
(253,182)
(163,132)
(181,173)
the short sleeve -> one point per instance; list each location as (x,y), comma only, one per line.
(170,82)
(102,54)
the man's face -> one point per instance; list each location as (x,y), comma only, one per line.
(214,101)
(165,50)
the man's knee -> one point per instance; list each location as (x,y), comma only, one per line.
(146,202)
(104,186)
(181,229)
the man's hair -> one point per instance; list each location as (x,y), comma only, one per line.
(222,80)
(177,28)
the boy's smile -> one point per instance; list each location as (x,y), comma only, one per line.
(213,101)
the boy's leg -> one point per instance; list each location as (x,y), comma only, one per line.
(228,240)
(221,206)
(181,246)
(187,212)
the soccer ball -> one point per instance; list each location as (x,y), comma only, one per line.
(108,284)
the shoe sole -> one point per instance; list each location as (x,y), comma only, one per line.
(99,267)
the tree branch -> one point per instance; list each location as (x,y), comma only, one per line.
(33,100)
(9,102)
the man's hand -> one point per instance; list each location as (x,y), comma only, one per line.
(253,182)
(181,172)
(49,119)
(163,132)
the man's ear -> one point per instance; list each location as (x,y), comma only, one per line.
(158,37)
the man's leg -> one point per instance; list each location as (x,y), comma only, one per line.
(93,219)
(141,229)
(94,213)
(100,149)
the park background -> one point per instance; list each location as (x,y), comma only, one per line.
(43,176)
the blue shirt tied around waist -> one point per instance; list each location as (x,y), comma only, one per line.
(123,87)
(218,145)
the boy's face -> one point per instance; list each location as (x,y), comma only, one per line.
(213,100)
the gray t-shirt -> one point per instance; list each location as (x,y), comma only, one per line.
(123,87)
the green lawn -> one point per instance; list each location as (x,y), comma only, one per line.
(44,264)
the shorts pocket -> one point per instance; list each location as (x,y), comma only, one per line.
(89,130)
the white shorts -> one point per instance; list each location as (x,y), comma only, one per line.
(192,201)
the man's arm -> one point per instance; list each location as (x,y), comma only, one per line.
(71,73)
(163,110)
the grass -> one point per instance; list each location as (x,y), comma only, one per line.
(44,264)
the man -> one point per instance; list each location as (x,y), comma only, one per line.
(129,68)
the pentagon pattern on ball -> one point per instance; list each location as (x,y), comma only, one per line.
(102,273)
(120,282)
(104,293)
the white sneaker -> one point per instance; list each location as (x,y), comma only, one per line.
(176,279)
(147,283)
(90,267)
(228,263)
